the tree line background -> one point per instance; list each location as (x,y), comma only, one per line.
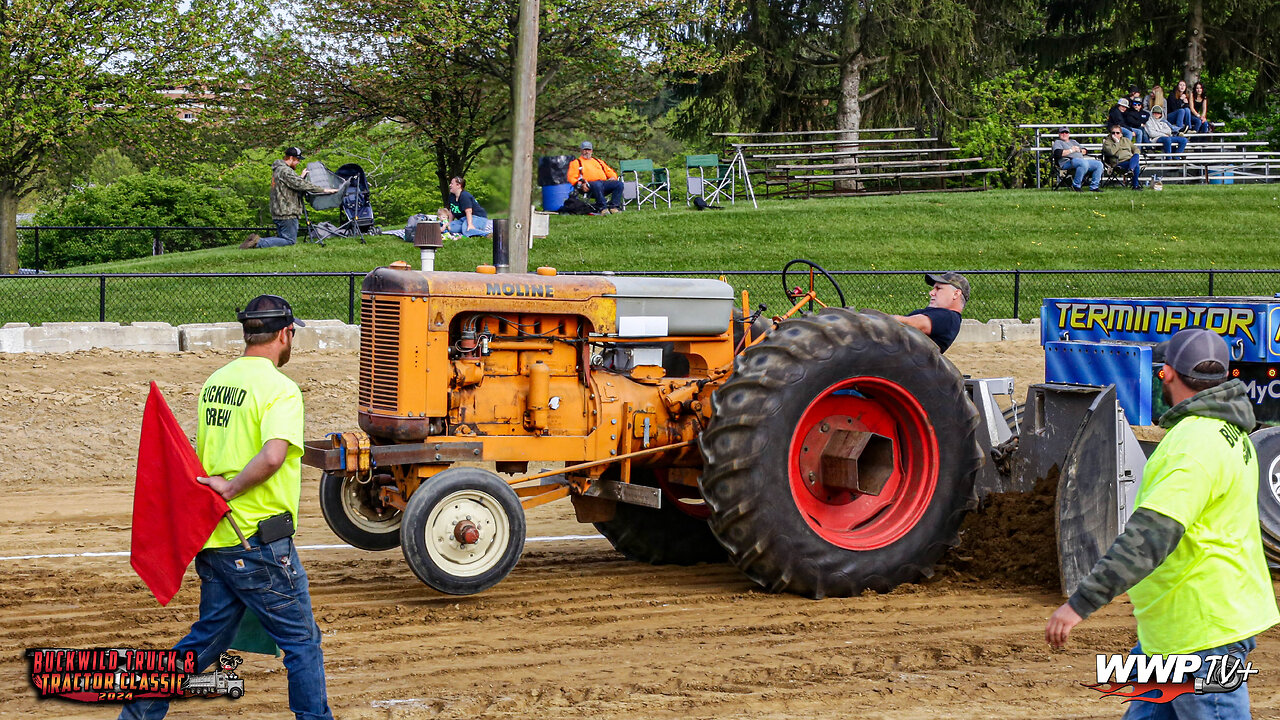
(419,91)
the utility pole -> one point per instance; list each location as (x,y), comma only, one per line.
(524,98)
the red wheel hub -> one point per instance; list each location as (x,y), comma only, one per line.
(863,463)
(466,533)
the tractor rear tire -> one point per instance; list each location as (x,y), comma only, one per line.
(664,536)
(856,372)
(1267,444)
(448,506)
(346,509)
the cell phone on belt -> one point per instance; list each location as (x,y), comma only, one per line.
(275,528)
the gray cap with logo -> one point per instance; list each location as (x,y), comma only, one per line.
(1188,348)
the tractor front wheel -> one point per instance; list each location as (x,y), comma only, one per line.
(840,456)
(463,531)
(347,506)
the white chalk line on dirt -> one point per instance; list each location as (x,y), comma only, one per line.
(553,538)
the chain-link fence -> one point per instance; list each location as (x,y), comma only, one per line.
(171,297)
(213,297)
(56,247)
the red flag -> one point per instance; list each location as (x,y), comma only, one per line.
(173,515)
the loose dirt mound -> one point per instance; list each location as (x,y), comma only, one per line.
(1010,541)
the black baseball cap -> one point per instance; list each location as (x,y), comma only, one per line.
(954,279)
(1188,348)
(272,310)
(293,151)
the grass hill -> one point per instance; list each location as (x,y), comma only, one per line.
(1202,227)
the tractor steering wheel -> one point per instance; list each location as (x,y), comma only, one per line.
(787,288)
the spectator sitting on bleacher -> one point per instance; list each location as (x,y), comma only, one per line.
(1072,156)
(1200,108)
(1154,98)
(1179,107)
(1117,117)
(1120,152)
(1135,118)
(1160,131)
(593,176)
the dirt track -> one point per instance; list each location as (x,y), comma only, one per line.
(576,631)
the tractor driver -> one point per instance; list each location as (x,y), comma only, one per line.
(941,319)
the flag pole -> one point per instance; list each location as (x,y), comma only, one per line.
(234,526)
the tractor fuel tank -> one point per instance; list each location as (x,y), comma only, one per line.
(658,306)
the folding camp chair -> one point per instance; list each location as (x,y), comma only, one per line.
(1062,177)
(718,186)
(1114,175)
(638,190)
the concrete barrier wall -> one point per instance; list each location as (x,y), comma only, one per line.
(163,337)
(317,335)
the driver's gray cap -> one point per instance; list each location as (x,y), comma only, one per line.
(1188,348)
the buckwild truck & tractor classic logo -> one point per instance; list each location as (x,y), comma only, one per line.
(125,675)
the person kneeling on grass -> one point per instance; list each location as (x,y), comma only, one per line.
(468,217)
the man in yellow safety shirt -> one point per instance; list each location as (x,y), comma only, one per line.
(249,440)
(1191,556)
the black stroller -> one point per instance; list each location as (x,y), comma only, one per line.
(355,203)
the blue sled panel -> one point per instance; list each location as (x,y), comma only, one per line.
(1100,364)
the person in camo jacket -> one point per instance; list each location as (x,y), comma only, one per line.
(287,195)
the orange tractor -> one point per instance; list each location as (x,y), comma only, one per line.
(822,453)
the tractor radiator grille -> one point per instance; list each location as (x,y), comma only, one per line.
(380,354)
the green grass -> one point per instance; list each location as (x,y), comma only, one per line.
(1202,227)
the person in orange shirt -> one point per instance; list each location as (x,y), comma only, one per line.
(592,176)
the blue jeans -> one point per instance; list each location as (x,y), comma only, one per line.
(483,226)
(1169,141)
(1180,118)
(1209,706)
(1135,134)
(286,234)
(270,581)
(598,189)
(1081,166)
(1131,164)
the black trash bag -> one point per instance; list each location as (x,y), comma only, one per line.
(553,169)
(574,205)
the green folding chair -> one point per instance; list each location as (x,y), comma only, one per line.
(714,184)
(650,189)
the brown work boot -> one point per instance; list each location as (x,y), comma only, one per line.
(250,242)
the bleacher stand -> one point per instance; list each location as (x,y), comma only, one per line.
(870,161)
(1213,158)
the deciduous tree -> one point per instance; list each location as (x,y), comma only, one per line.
(71,69)
(444,69)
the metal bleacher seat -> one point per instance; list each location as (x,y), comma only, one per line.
(638,190)
(713,180)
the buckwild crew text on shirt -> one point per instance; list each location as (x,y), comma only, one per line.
(220,395)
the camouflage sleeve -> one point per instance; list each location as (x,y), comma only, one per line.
(1147,540)
(299,183)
